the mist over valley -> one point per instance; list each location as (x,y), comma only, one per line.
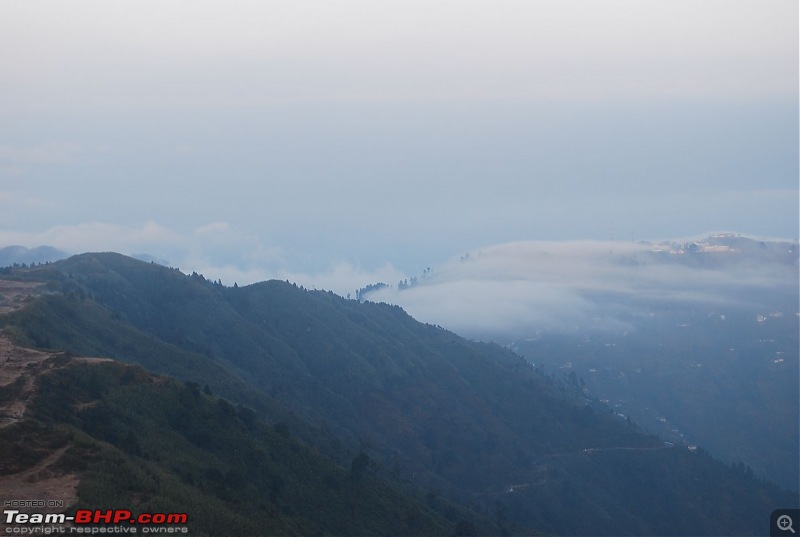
(695,340)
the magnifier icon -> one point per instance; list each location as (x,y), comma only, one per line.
(784,523)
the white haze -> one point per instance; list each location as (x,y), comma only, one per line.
(260,138)
(519,289)
(496,292)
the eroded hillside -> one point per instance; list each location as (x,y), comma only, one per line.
(33,461)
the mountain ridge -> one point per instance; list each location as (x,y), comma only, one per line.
(434,410)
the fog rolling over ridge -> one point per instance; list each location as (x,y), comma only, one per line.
(517,289)
(694,340)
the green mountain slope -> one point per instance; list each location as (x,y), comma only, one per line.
(471,423)
(151,444)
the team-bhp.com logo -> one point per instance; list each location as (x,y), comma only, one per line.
(87,520)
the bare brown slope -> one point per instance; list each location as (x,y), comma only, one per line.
(29,472)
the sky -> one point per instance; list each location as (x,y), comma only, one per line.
(339,143)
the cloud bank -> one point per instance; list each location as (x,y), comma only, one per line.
(498,292)
(520,289)
(218,250)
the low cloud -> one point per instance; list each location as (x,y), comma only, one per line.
(342,278)
(218,250)
(95,236)
(485,306)
(498,292)
(519,289)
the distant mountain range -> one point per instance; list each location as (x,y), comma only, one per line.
(287,398)
(19,255)
(10,255)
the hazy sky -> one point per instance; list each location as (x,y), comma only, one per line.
(348,141)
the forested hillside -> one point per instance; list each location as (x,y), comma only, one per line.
(151,444)
(467,423)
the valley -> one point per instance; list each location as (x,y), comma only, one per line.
(471,435)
